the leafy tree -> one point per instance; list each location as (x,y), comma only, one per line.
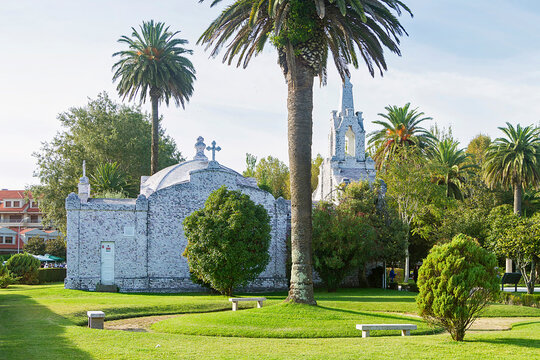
(274,174)
(367,200)
(109,178)
(477,148)
(35,245)
(409,187)
(456,281)
(25,267)
(342,241)
(400,128)
(100,132)
(453,165)
(56,247)
(521,241)
(154,66)
(304,33)
(514,161)
(251,162)
(228,240)
(315,170)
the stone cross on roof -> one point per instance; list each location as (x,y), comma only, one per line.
(213,149)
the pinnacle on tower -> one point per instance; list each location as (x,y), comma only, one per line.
(347,96)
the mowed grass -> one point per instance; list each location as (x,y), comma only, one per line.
(286,321)
(40,322)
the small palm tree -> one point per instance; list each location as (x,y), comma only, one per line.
(108,178)
(453,167)
(514,161)
(304,33)
(401,127)
(154,66)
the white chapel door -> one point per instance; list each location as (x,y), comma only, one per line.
(107,263)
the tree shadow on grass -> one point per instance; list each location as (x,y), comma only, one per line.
(528,343)
(29,330)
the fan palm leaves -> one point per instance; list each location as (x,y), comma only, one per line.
(453,167)
(401,127)
(154,66)
(514,161)
(305,33)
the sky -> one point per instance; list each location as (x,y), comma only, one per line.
(470,65)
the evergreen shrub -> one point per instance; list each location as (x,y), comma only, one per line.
(25,267)
(456,281)
(6,278)
(228,240)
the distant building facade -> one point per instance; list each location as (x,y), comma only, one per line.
(20,220)
(346,161)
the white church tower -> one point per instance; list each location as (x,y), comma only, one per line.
(346,161)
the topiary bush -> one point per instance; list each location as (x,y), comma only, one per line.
(342,240)
(228,240)
(51,275)
(25,267)
(456,281)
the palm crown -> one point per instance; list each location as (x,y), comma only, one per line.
(453,165)
(350,29)
(153,65)
(401,128)
(514,160)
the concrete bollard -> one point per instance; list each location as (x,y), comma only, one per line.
(95,319)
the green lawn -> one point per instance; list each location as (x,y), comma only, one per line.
(39,322)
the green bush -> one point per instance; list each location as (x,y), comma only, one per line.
(6,278)
(51,275)
(520,299)
(342,241)
(25,267)
(228,240)
(456,282)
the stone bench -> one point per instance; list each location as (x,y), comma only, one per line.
(405,328)
(235,301)
(95,319)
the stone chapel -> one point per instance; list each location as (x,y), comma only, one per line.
(137,244)
(346,161)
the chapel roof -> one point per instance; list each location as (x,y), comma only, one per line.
(180,173)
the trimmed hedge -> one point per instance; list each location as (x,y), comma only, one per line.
(532,300)
(51,275)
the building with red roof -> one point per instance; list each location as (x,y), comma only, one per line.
(20,220)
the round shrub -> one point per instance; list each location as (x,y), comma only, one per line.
(228,240)
(456,281)
(25,267)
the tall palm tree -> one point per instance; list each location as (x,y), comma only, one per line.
(401,127)
(304,32)
(453,167)
(514,161)
(154,66)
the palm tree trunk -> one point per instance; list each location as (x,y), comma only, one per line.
(300,127)
(517,199)
(155,135)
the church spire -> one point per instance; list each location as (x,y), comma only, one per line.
(347,96)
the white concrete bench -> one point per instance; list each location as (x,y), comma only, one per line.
(405,328)
(235,301)
(95,319)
